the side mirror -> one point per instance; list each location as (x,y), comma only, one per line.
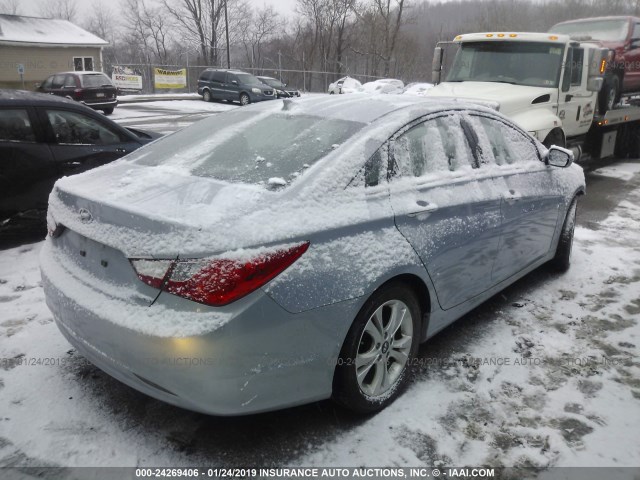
(559,157)
(635,43)
(594,84)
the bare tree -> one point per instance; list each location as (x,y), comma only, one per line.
(63,9)
(10,7)
(149,28)
(257,29)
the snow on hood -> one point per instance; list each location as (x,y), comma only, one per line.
(511,98)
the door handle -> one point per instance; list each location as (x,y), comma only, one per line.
(425,207)
(568,98)
(121,150)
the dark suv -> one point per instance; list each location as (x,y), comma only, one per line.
(232,85)
(622,36)
(94,89)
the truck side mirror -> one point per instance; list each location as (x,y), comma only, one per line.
(436,65)
(559,157)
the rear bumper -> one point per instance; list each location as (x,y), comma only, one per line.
(263,358)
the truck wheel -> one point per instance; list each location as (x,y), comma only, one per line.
(377,354)
(555,137)
(609,95)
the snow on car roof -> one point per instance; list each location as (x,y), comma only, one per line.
(19,29)
(362,108)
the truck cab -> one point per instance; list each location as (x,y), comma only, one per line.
(548,83)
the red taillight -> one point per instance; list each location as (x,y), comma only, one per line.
(216,281)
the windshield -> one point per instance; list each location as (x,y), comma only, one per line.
(520,63)
(97,80)
(250,147)
(246,79)
(605,30)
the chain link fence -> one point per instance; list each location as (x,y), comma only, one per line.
(303,80)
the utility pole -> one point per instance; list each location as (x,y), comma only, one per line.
(280,64)
(226,27)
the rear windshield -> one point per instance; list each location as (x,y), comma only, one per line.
(95,80)
(250,146)
(604,30)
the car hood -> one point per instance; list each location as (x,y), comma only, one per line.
(510,98)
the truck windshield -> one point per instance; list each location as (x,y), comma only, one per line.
(533,64)
(604,30)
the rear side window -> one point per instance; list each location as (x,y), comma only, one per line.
(72,128)
(58,81)
(502,144)
(15,126)
(70,81)
(437,145)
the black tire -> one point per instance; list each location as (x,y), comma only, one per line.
(244,99)
(108,111)
(609,95)
(562,259)
(206,96)
(332,92)
(347,390)
(555,137)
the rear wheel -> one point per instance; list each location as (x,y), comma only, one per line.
(108,111)
(377,353)
(206,96)
(244,99)
(562,259)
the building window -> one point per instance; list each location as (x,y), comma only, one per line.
(83,64)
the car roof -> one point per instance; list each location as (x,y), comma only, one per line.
(23,97)
(78,73)
(364,108)
(225,70)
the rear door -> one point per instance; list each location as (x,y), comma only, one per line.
(531,196)
(80,141)
(232,89)
(27,170)
(445,207)
(97,88)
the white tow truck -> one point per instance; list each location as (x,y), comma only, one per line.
(546,83)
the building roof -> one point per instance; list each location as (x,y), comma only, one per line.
(19,30)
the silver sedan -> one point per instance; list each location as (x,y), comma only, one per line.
(300,250)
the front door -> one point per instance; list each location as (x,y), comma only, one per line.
(575,104)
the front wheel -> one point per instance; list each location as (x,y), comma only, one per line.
(244,99)
(108,111)
(562,259)
(556,138)
(608,96)
(377,353)
(206,96)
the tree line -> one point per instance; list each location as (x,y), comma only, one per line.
(362,38)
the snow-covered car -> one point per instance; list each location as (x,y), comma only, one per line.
(383,85)
(344,85)
(223,270)
(417,88)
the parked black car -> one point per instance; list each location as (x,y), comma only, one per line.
(43,138)
(280,88)
(94,89)
(232,85)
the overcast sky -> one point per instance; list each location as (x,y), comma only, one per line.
(32,7)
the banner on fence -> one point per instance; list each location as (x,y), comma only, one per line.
(170,78)
(126,78)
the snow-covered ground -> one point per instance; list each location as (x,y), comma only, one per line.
(545,374)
